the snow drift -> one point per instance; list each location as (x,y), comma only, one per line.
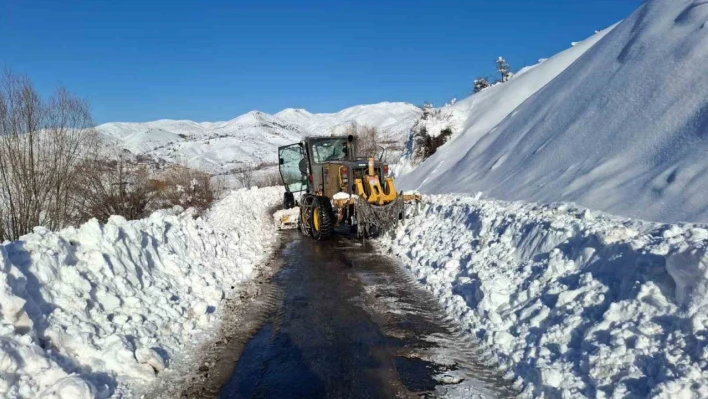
(568,301)
(100,310)
(623,129)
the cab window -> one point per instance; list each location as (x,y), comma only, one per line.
(290,158)
(329,150)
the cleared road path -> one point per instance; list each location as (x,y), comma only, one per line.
(351,323)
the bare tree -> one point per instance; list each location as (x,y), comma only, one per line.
(186,187)
(368,140)
(245,177)
(112,185)
(116,184)
(269,179)
(42,144)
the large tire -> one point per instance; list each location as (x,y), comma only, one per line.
(288,200)
(373,231)
(321,218)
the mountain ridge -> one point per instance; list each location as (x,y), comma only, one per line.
(251,138)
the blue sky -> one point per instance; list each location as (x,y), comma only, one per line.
(214,59)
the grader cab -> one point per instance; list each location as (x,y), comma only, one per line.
(337,189)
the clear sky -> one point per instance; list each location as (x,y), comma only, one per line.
(212,60)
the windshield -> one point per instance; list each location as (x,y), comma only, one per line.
(329,150)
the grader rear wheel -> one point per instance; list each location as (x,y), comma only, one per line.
(321,218)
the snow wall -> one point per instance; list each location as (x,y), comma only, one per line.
(569,302)
(101,310)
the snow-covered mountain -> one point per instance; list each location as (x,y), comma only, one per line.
(251,138)
(393,120)
(622,129)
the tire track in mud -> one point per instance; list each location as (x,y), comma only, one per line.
(243,316)
(353,323)
(411,315)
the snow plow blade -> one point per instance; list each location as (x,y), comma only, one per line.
(287,219)
(383,217)
(412,197)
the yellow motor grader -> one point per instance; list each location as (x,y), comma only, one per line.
(337,189)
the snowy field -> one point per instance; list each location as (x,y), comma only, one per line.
(101,310)
(569,302)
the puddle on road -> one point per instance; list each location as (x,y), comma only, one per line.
(271,360)
(353,324)
(417,375)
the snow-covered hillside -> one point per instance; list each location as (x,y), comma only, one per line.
(252,138)
(622,129)
(101,310)
(473,117)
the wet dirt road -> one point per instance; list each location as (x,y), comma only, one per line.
(350,323)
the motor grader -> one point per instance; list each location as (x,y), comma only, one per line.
(336,189)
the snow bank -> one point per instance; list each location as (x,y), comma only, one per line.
(622,129)
(100,310)
(569,302)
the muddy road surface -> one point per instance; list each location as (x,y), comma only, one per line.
(350,323)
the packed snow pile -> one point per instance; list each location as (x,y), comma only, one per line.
(252,138)
(568,301)
(100,310)
(622,129)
